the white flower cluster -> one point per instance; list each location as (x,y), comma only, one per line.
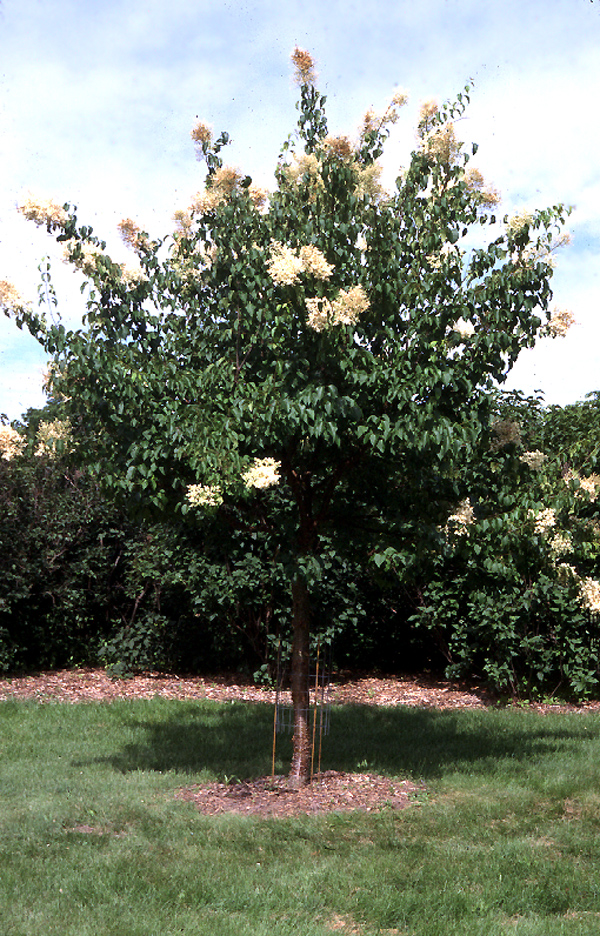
(461,519)
(486,195)
(544,520)
(338,147)
(224,182)
(368,182)
(11,301)
(428,114)
(559,324)
(319,314)
(589,486)
(399,99)
(464,328)
(541,251)
(534,459)
(345,309)
(84,259)
(589,588)
(518,221)
(51,434)
(12,443)
(374,122)
(263,473)
(560,545)
(201,495)
(589,592)
(286,265)
(258,196)
(132,276)
(306,169)
(131,234)
(349,305)
(437,260)
(44,211)
(207,201)
(202,134)
(441,143)
(304,67)
(183,221)
(314,263)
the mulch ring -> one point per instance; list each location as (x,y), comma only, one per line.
(329,791)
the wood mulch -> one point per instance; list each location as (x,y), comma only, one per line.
(271,796)
(95,685)
(331,790)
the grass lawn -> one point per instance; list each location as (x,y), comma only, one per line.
(505,840)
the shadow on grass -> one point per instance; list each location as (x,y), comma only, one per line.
(236,740)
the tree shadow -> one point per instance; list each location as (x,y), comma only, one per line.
(424,744)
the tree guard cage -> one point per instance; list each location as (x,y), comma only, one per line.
(319,708)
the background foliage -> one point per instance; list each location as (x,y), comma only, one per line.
(83,583)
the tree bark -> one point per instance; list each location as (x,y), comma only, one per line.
(300,769)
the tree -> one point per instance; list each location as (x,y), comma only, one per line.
(310,363)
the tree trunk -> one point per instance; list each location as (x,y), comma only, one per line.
(300,769)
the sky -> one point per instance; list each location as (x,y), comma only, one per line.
(98,98)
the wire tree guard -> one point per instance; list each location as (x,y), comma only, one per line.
(319,703)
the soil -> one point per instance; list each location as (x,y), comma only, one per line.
(270,796)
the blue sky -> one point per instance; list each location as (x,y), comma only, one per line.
(98,97)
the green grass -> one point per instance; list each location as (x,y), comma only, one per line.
(504,840)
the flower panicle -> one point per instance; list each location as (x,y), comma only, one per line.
(44,212)
(132,235)
(543,520)
(183,222)
(588,487)
(53,436)
(460,521)
(262,473)
(534,459)
(203,495)
(559,323)
(82,255)
(223,184)
(589,594)
(11,301)
(560,545)
(12,443)
(338,147)
(202,134)
(286,265)
(518,222)
(589,588)
(428,117)
(485,195)
(304,67)
(345,309)
(464,328)
(440,144)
